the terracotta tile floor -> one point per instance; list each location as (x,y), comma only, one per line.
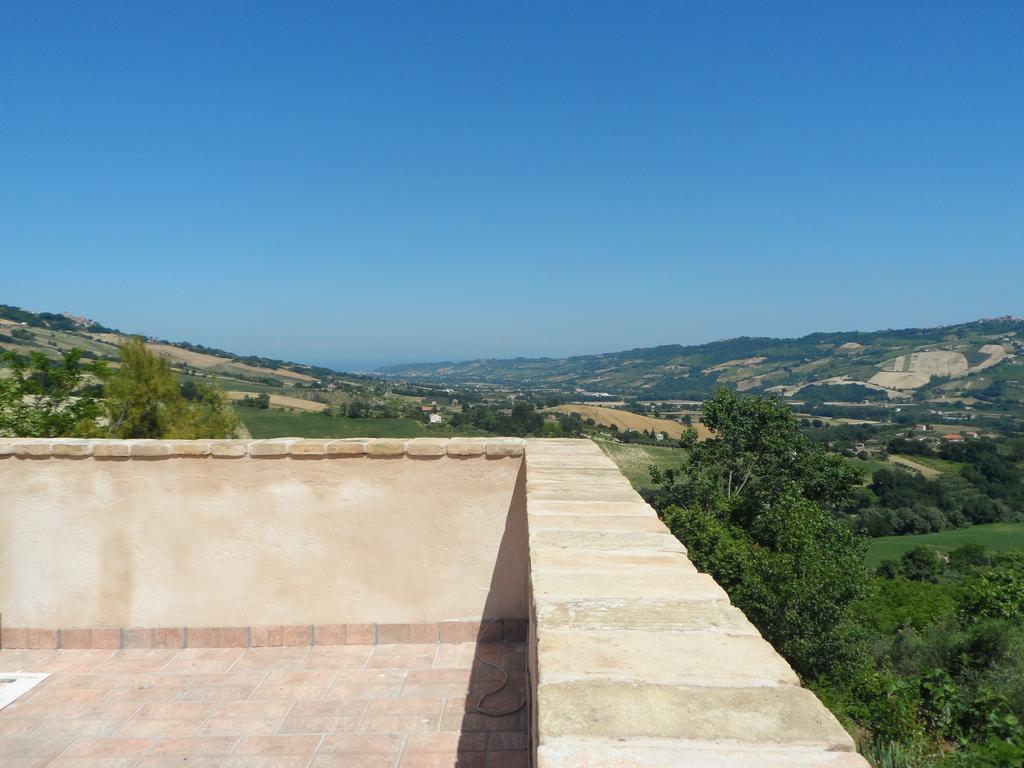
(393,706)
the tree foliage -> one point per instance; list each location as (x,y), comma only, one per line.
(757,455)
(754,506)
(925,659)
(143,400)
(40,397)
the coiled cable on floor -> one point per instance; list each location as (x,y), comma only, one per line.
(501,686)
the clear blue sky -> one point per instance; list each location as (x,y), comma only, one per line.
(365,183)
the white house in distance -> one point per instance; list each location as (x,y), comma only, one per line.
(436,418)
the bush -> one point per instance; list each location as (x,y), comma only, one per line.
(921,564)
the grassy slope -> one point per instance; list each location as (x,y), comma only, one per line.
(634,460)
(867,468)
(277,423)
(996,536)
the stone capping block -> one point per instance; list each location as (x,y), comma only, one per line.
(308,448)
(111,449)
(190,447)
(502,448)
(467,446)
(279,447)
(385,447)
(346,447)
(33,448)
(229,449)
(509,630)
(150,448)
(269,448)
(427,447)
(71,447)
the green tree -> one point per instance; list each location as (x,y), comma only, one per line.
(144,400)
(757,455)
(754,506)
(997,592)
(358,409)
(797,572)
(40,397)
(968,556)
(921,564)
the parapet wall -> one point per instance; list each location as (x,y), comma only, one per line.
(242,534)
(636,660)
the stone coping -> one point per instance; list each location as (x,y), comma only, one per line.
(281,447)
(636,659)
(509,630)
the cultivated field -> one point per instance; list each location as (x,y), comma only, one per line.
(996,536)
(269,423)
(283,401)
(996,354)
(626,420)
(204,361)
(916,369)
(914,466)
(635,460)
(200,360)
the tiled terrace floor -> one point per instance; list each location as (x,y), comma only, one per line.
(399,706)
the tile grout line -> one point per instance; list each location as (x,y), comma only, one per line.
(403,745)
(316,750)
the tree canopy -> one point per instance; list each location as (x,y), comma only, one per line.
(144,400)
(40,397)
(754,506)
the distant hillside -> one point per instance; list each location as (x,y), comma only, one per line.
(53,334)
(978,359)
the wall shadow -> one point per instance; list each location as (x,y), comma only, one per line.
(494,718)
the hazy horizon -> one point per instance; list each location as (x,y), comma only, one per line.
(370,364)
(407,183)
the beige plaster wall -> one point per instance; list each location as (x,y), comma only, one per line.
(247,541)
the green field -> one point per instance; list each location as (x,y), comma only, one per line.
(274,422)
(867,468)
(940,465)
(996,536)
(634,459)
(228,383)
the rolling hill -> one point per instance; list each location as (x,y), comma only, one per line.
(53,334)
(979,359)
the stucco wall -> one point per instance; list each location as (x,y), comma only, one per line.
(244,541)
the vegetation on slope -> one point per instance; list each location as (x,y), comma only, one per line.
(750,364)
(922,662)
(141,398)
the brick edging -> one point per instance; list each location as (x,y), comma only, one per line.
(113,638)
(281,447)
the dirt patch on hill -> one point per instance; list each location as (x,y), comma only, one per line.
(900,379)
(201,360)
(625,420)
(996,354)
(916,369)
(921,469)
(735,364)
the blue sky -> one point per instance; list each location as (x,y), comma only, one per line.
(357,184)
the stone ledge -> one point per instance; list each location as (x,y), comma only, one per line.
(770,716)
(677,753)
(697,660)
(637,660)
(678,616)
(276,448)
